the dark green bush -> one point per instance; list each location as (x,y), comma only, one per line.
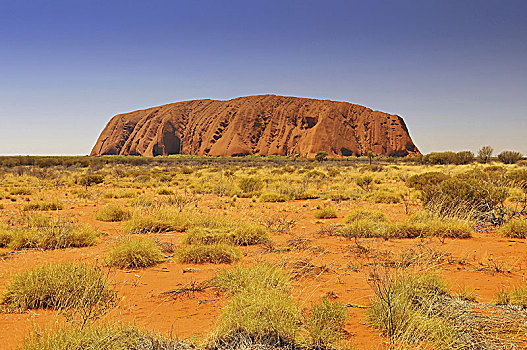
(509,157)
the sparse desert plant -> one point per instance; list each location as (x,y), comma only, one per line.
(365,182)
(386,197)
(161,221)
(263,276)
(326,213)
(164,191)
(366,214)
(509,157)
(77,290)
(90,179)
(363,228)
(250,184)
(122,337)
(20,191)
(135,252)
(321,156)
(112,213)
(515,228)
(48,233)
(237,233)
(485,154)
(420,181)
(120,194)
(325,324)
(516,296)
(203,253)
(43,206)
(272,197)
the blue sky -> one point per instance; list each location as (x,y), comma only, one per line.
(456,71)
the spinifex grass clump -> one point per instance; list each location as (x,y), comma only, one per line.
(135,252)
(100,338)
(260,311)
(237,233)
(326,213)
(44,206)
(325,324)
(75,289)
(514,296)
(48,233)
(516,228)
(112,213)
(208,253)
(164,220)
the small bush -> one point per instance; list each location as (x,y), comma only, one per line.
(72,288)
(365,182)
(509,157)
(424,180)
(326,323)
(272,197)
(326,213)
(43,206)
(215,254)
(136,252)
(112,213)
(164,192)
(90,179)
(516,228)
(120,194)
(366,214)
(162,221)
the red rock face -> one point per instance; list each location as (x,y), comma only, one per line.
(264,125)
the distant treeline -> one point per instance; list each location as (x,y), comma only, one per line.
(484,155)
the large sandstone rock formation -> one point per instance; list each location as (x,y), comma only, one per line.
(264,125)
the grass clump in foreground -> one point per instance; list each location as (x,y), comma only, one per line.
(75,289)
(112,213)
(162,221)
(418,309)
(516,228)
(48,233)
(366,214)
(214,253)
(100,338)
(261,311)
(135,252)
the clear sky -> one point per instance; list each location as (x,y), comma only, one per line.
(455,70)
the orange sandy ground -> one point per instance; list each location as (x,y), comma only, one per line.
(197,314)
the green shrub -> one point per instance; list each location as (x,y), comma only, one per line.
(425,223)
(100,338)
(72,288)
(326,213)
(366,214)
(509,157)
(112,213)
(43,206)
(365,182)
(215,254)
(120,194)
(326,324)
(516,228)
(272,197)
(162,221)
(443,158)
(135,252)
(164,191)
(321,156)
(90,179)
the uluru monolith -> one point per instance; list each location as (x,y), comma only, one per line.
(260,125)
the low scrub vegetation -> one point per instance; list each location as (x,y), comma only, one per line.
(101,338)
(515,228)
(205,253)
(326,213)
(135,253)
(112,213)
(47,233)
(513,297)
(75,289)
(43,206)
